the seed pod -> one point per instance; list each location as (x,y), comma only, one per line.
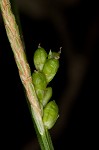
(40,83)
(50,68)
(47,96)
(40,56)
(50,114)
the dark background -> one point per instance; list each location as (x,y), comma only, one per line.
(74,26)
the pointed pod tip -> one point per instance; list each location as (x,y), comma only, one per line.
(39,46)
(60,50)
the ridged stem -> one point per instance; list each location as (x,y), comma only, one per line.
(14,36)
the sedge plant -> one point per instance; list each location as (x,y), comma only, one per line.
(44,111)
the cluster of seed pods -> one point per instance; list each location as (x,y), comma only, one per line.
(46,67)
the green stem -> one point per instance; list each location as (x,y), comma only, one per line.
(45,139)
(18,48)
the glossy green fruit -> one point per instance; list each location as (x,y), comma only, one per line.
(50,68)
(47,96)
(40,83)
(40,56)
(50,114)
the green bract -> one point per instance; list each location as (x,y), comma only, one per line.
(40,56)
(47,96)
(50,114)
(50,68)
(40,93)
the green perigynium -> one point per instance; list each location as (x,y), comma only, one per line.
(39,59)
(47,96)
(39,80)
(50,68)
(50,114)
(40,83)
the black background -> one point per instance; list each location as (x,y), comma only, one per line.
(81,126)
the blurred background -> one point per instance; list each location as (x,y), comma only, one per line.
(74,26)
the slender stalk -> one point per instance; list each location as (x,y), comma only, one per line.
(18,49)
